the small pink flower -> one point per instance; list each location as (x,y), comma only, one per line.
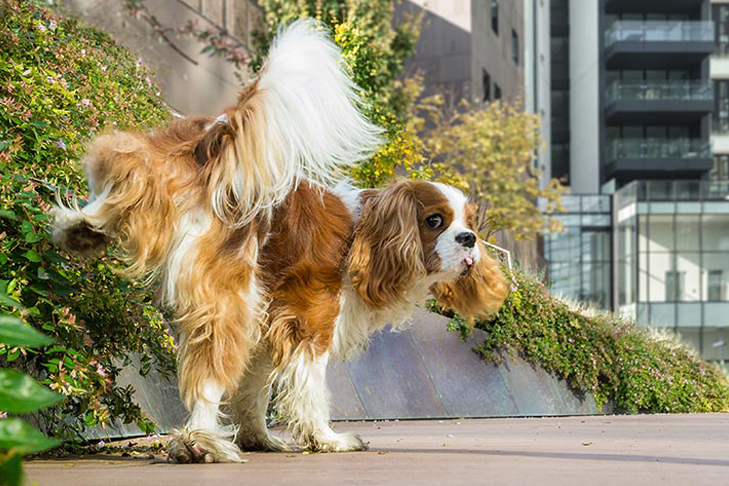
(86,102)
(83,52)
(101,443)
(61,145)
(3,414)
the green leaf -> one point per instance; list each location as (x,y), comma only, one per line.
(33,256)
(15,332)
(4,214)
(18,435)
(7,300)
(20,393)
(11,470)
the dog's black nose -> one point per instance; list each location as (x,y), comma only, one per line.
(466,239)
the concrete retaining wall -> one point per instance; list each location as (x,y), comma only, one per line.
(422,372)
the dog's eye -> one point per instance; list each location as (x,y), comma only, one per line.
(434,222)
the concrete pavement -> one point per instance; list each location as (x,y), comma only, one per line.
(597,450)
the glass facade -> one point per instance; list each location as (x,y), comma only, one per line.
(579,257)
(720,14)
(672,240)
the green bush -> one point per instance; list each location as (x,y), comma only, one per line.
(20,394)
(638,370)
(61,83)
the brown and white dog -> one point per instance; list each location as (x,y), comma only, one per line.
(271,265)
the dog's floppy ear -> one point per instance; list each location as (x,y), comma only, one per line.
(479,293)
(387,256)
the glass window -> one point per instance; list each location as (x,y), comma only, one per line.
(486,84)
(515,46)
(715,314)
(688,266)
(663,315)
(497,92)
(716,283)
(689,315)
(715,232)
(495,16)
(720,115)
(596,283)
(691,336)
(716,343)
(675,283)
(663,283)
(660,232)
(721,168)
(687,232)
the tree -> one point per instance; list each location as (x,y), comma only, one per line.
(493,149)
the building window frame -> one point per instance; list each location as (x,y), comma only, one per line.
(495,16)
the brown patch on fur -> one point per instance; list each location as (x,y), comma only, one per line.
(386,257)
(219,327)
(155,179)
(301,266)
(431,201)
(479,293)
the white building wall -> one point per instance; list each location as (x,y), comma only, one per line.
(584,97)
(537,75)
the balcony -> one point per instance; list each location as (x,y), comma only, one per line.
(636,44)
(658,158)
(648,102)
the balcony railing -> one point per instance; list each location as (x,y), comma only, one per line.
(660,31)
(640,148)
(678,90)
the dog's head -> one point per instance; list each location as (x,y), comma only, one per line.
(415,232)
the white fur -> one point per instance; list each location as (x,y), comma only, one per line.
(204,438)
(349,195)
(303,399)
(452,253)
(249,405)
(312,128)
(67,214)
(194,224)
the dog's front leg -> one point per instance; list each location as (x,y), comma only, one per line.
(304,401)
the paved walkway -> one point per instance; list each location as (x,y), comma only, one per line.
(587,451)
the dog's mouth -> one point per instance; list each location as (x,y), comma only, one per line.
(467,266)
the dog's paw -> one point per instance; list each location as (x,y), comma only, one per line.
(267,443)
(194,446)
(332,442)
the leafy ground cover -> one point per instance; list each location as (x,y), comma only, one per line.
(639,370)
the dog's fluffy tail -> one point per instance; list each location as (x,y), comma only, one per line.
(301,118)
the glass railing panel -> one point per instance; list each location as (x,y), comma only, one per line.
(660,31)
(658,149)
(680,90)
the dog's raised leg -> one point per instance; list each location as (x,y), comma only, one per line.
(304,400)
(203,438)
(250,402)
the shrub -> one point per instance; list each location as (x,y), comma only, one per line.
(60,83)
(639,370)
(19,393)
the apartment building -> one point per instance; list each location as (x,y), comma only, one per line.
(635,97)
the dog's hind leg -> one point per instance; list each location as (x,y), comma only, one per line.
(250,402)
(218,307)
